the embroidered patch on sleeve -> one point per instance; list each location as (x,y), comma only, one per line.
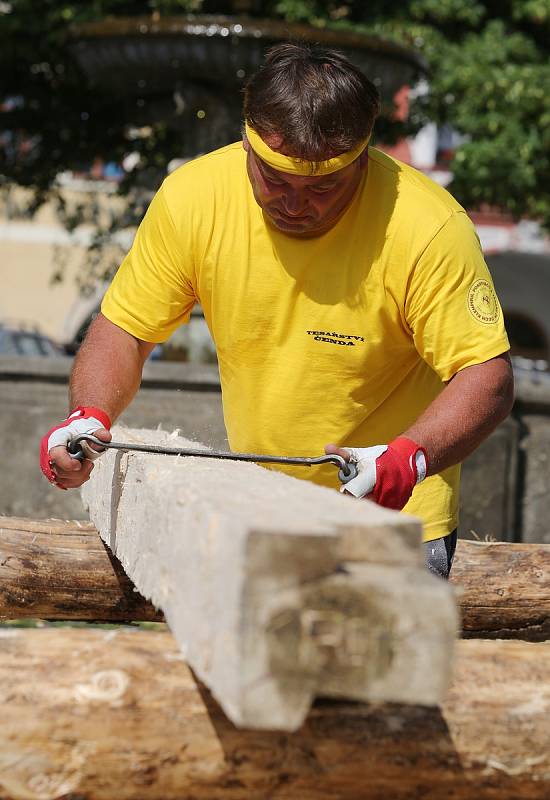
(482,302)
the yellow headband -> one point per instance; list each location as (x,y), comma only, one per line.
(297,165)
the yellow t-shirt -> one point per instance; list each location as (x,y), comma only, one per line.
(342,338)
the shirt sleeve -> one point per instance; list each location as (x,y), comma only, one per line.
(153,290)
(451,307)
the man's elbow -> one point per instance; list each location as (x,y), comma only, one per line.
(505,388)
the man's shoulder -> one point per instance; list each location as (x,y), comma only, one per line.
(412,188)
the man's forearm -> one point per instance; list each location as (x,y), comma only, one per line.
(470,407)
(107,369)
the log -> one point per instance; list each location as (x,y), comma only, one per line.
(504,589)
(276,589)
(102,714)
(62,570)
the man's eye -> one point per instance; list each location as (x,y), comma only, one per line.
(321,189)
(275,182)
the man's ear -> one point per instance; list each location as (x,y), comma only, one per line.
(246,143)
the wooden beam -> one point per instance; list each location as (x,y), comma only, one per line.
(503,589)
(278,590)
(102,714)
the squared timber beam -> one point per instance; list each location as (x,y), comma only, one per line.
(277,590)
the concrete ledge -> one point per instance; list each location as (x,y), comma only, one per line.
(156,375)
(276,589)
(532,389)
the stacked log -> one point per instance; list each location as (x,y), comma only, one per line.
(101,714)
(62,570)
(504,590)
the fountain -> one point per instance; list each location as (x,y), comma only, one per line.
(189,70)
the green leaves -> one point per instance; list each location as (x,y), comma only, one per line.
(490,81)
(453,12)
(494,87)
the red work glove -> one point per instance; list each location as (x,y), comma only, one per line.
(387,473)
(56,464)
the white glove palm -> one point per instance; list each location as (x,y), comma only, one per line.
(76,427)
(365,460)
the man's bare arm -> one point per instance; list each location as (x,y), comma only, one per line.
(106,375)
(107,369)
(474,402)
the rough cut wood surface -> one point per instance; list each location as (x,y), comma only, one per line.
(60,569)
(277,590)
(97,715)
(505,589)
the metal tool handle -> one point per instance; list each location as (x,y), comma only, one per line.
(75,450)
(346,469)
(79,448)
(352,472)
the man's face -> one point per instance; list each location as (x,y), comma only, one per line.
(300,205)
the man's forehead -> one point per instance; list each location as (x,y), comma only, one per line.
(299,180)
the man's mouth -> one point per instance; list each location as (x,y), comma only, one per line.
(295,219)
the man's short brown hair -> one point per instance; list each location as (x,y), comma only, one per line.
(315,98)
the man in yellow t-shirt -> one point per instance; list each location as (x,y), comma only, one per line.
(346,294)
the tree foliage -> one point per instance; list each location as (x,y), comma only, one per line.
(489,80)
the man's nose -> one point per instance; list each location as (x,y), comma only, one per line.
(294,203)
